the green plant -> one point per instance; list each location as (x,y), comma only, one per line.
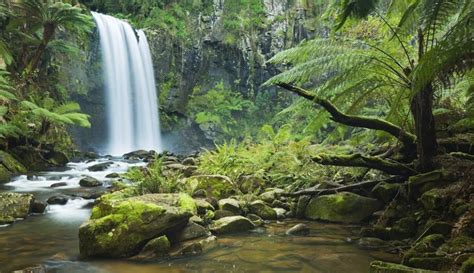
(152,179)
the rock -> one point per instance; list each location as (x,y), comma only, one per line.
(191,231)
(189,171)
(200,194)
(189,161)
(89,182)
(57,158)
(90,155)
(434,199)
(440,227)
(270,195)
(38,206)
(281,213)
(218,214)
(58,199)
(385,191)
(13,206)
(203,206)
(341,207)
(11,164)
(218,186)
(467,266)
(59,184)
(196,219)
(5,175)
(112,175)
(120,226)
(100,167)
(231,224)
(194,247)
(175,167)
(301,206)
(156,248)
(424,182)
(298,230)
(263,210)
(370,243)
(423,254)
(231,205)
(250,184)
(280,204)
(385,267)
(139,154)
(256,220)
(32,269)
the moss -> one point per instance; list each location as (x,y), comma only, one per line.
(468,266)
(11,164)
(186,204)
(458,244)
(434,199)
(261,209)
(5,175)
(384,267)
(214,185)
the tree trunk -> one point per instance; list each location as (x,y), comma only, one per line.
(48,33)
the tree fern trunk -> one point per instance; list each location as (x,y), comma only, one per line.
(48,33)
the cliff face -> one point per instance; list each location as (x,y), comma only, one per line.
(206,57)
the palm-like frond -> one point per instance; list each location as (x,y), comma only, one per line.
(64,114)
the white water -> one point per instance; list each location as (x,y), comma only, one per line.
(132,104)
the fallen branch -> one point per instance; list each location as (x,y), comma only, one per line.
(349,188)
(355,121)
(359,160)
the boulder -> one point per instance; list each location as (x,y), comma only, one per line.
(467,266)
(385,267)
(385,191)
(298,230)
(155,248)
(189,161)
(139,154)
(301,206)
(112,175)
(11,164)
(231,205)
(434,199)
(60,199)
(263,210)
(424,254)
(89,182)
(218,214)
(280,204)
(256,220)
(250,184)
(38,206)
(281,213)
(100,167)
(14,205)
(270,195)
(344,207)
(120,227)
(194,247)
(200,194)
(203,206)
(189,171)
(217,186)
(370,243)
(191,231)
(59,184)
(231,224)
(5,174)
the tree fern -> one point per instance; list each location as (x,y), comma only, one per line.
(63,114)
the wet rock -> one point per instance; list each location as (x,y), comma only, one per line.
(298,230)
(90,155)
(139,154)
(14,205)
(270,195)
(100,167)
(59,184)
(89,182)
(58,199)
(385,191)
(154,249)
(231,224)
(385,267)
(191,231)
(120,226)
(196,219)
(250,184)
(281,213)
(189,161)
(203,206)
(57,158)
(32,269)
(231,205)
(370,243)
(301,206)
(200,194)
(113,175)
(38,206)
(194,247)
(263,210)
(342,207)
(9,167)
(257,220)
(217,186)
(218,214)
(280,204)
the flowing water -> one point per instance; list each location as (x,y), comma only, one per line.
(51,239)
(131,100)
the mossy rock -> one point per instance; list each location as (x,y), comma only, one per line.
(263,210)
(458,244)
(5,175)
(342,207)
(231,205)
(424,254)
(250,184)
(385,191)
(424,182)
(11,164)
(468,266)
(121,227)
(14,205)
(438,263)
(270,195)
(434,199)
(155,248)
(231,224)
(385,267)
(217,186)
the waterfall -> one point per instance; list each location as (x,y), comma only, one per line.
(130,90)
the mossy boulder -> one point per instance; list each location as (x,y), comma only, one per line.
(217,186)
(89,182)
(120,227)
(263,210)
(385,191)
(424,182)
(231,205)
(231,224)
(468,266)
(342,207)
(154,249)
(424,254)
(434,199)
(270,195)
(14,205)
(385,267)
(5,174)
(250,183)
(9,167)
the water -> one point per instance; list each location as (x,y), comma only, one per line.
(51,239)
(132,104)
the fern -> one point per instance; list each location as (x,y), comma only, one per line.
(63,114)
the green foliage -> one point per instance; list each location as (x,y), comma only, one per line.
(239,17)
(65,114)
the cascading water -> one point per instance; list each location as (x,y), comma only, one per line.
(132,104)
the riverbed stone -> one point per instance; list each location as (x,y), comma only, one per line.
(59,199)
(270,195)
(298,230)
(57,185)
(263,210)
(113,175)
(231,224)
(89,182)
(120,228)
(154,249)
(281,213)
(218,214)
(250,184)
(301,206)
(231,205)
(203,206)
(193,247)
(189,232)
(100,166)
(38,206)
(344,207)
(14,205)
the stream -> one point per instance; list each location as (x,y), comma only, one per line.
(51,239)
